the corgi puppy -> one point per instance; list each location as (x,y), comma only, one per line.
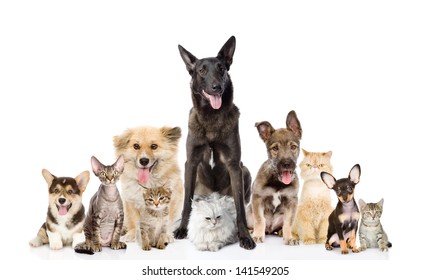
(65,218)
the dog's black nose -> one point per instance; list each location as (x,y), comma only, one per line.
(216,87)
(287,164)
(62,200)
(144,161)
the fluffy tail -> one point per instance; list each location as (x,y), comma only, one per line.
(81,248)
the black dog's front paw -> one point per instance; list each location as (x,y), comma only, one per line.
(180,233)
(247,242)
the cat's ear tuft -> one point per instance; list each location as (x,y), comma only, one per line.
(82,180)
(48,177)
(355,173)
(362,204)
(265,130)
(328,179)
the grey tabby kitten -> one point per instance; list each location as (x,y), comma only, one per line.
(155,218)
(104,220)
(212,222)
(371,233)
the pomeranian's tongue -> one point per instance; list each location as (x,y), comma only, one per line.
(62,210)
(215,100)
(143,175)
(286,177)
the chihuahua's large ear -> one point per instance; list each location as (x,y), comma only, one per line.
(265,130)
(188,58)
(227,51)
(48,177)
(82,180)
(328,179)
(355,174)
(293,124)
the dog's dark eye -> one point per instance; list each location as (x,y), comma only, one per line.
(69,192)
(56,191)
(220,68)
(349,189)
(275,148)
(154,146)
(202,71)
(293,147)
(136,146)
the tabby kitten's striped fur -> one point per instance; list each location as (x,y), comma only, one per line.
(155,218)
(371,233)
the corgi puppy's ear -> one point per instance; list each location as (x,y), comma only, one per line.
(355,173)
(82,180)
(328,179)
(48,177)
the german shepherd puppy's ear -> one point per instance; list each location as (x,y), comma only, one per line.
(355,173)
(328,179)
(227,51)
(82,180)
(293,124)
(188,58)
(265,130)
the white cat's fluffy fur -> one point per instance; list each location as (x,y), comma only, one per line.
(212,222)
(311,223)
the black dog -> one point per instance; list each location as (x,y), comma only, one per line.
(213,142)
(343,221)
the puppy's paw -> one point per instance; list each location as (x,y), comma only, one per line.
(259,239)
(128,237)
(57,245)
(247,242)
(310,241)
(180,233)
(363,248)
(328,246)
(321,240)
(35,242)
(356,250)
(146,246)
(118,245)
(384,248)
(214,247)
(344,251)
(97,248)
(291,241)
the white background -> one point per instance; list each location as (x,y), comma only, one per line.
(74,74)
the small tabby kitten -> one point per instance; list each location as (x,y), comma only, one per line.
(314,208)
(155,218)
(212,222)
(371,233)
(104,220)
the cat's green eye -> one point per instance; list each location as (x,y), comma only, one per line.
(321,165)
(102,173)
(154,146)
(308,165)
(136,146)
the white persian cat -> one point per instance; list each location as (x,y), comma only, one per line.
(212,222)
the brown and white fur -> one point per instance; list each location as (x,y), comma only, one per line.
(274,194)
(65,217)
(311,222)
(150,156)
(343,221)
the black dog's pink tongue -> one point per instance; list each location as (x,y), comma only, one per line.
(286,177)
(62,210)
(215,100)
(143,175)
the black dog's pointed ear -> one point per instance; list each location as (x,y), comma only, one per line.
(265,130)
(293,124)
(227,51)
(188,58)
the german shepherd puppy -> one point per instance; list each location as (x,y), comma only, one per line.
(213,143)
(343,221)
(274,195)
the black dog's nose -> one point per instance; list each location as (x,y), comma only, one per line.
(61,200)
(216,87)
(144,161)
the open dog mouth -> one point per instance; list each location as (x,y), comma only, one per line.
(63,209)
(144,173)
(215,100)
(286,176)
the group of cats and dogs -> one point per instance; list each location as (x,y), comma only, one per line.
(218,204)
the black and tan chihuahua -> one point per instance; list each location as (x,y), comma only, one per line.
(343,221)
